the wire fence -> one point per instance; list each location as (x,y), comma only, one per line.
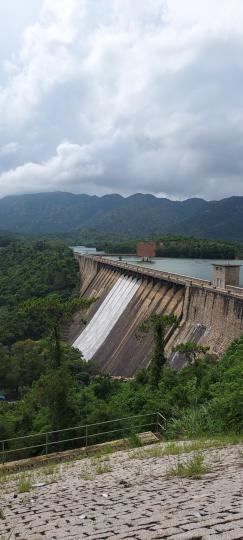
(38,444)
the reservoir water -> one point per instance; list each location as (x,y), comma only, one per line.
(198,268)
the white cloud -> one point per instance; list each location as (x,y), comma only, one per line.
(149,91)
(70,163)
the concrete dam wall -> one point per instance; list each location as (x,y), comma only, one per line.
(106,317)
(124,300)
(211,317)
(126,295)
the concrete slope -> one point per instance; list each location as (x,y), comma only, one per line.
(113,321)
(137,498)
(99,286)
(106,316)
(124,352)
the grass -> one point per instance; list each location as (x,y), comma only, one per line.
(194,468)
(170,449)
(173,448)
(24,483)
(87,475)
(2,515)
(100,464)
(134,440)
(231,438)
(142,453)
(50,469)
(4,477)
(49,473)
(102,452)
(102,468)
(92,454)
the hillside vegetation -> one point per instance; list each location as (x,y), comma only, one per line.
(132,216)
(166,246)
(204,398)
(32,270)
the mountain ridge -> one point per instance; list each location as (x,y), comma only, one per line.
(137,214)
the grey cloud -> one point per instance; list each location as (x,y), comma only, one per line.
(131,100)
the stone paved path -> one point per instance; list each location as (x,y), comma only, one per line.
(135,500)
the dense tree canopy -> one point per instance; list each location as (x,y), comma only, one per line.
(32,270)
(205,397)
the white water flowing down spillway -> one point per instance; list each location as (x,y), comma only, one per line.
(105,318)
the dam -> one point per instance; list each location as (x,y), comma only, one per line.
(127,294)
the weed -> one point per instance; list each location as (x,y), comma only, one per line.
(106,450)
(194,468)
(4,477)
(50,469)
(230,438)
(143,453)
(24,484)
(134,440)
(158,451)
(172,448)
(87,475)
(102,468)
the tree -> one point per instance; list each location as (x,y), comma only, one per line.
(51,402)
(57,313)
(4,365)
(22,364)
(191,350)
(158,325)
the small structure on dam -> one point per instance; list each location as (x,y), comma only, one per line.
(145,250)
(226,274)
(127,294)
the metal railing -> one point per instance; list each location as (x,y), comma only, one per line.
(85,435)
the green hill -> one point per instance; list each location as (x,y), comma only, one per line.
(139,214)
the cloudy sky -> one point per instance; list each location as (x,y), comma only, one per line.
(125,96)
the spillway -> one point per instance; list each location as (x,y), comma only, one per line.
(106,317)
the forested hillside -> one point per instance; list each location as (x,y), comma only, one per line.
(135,215)
(32,270)
(165,246)
(38,281)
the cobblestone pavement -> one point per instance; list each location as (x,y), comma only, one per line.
(134,499)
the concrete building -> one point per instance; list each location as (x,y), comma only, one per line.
(226,274)
(146,250)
